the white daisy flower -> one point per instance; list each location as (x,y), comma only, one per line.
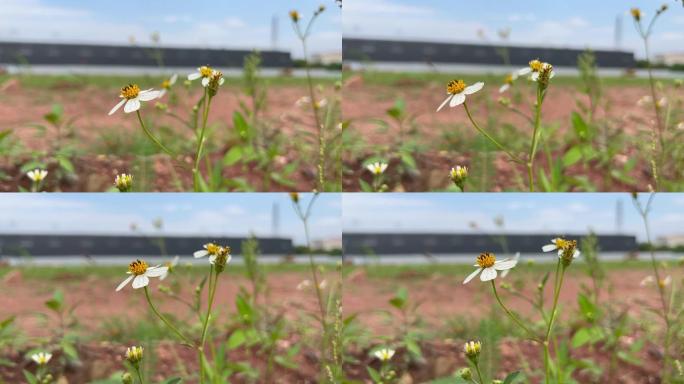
(37,175)
(457,91)
(508,82)
(516,258)
(131,96)
(377,168)
(170,265)
(384,354)
(535,68)
(41,358)
(213,251)
(205,72)
(488,265)
(140,273)
(167,84)
(562,245)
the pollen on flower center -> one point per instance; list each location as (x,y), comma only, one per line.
(212,248)
(509,79)
(565,244)
(130,91)
(536,65)
(455,86)
(206,71)
(166,84)
(486,260)
(137,267)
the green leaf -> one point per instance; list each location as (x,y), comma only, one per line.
(375,375)
(57,302)
(30,377)
(232,156)
(55,115)
(572,156)
(587,307)
(66,164)
(175,380)
(400,298)
(580,126)
(236,339)
(586,335)
(241,126)
(511,377)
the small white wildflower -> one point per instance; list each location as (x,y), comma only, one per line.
(41,358)
(131,96)
(377,168)
(535,69)
(170,265)
(457,91)
(488,265)
(508,82)
(205,72)
(516,258)
(384,354)
(140,273)
(167,84)
(562,246)
(37,175)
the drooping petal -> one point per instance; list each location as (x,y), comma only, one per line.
(444,102)
(524,71)
(576,254)
(148,95)
(173,79)
(205,81)
(132,105)
(200,253)
(162,93)
(472,275)
(552,75)
(156,271)
(505,264)
(458,99)
(221,81)
(117,106)
(212,259)
(504,88)
(535,76)
(473,88)
(549,247)
(162,277)
(194,76)
(488,274)
(140,281)
(124,283)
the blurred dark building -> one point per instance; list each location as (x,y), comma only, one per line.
(391,51)
(426,243)
(128,246)
(82,54)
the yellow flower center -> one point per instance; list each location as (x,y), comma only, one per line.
(131,91)
(212,248)
(509,79)
(455,86)
(565,244)
(536,65)
(166,84)
(137,267)
(636,13)
(206,71)
(486,260)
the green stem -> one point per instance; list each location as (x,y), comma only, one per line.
(213,280)
(151,136)
(511,315)
(163,319)
(479,374)
(558,283)
(200,143)
(489,137)
(137,371)
(535,139)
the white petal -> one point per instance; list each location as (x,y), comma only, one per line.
(549,247)
(205,81)
(221,81)
(173,79)
(117,106)
(200,253)
(124,283)
(472,275)
(488,274)
(505,264)
(156,271)
(140,281)
(132,105)
(212,259)
(576,254)
(552,75)
(535,76)
(444,102)
(524,71)
(162,277)
(194,76)
(504,88)
(162,93)
(148,95)
(458,99)
(473,88)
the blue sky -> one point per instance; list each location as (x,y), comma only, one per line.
(573,23)
(190,214)
(553,213)
(245,24)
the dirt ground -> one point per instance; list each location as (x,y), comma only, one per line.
(440,298)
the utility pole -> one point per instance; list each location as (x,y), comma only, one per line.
(274,32)
(618,32)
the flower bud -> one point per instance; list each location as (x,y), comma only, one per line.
(294,16)
(134,355)
(465,374)
(124,182)
(472,350)
(126,378)
(459,175)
